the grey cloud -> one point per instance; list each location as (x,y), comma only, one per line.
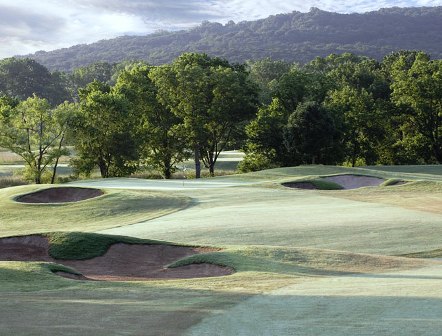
(169,10)
(27,25)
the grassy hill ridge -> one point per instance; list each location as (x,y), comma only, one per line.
(292,37)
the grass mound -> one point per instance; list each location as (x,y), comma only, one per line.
(299,261)
(79,245)
(392,182)
(113,209)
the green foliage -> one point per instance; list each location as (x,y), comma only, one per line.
(103,131)
(162,144)
(266,73)
(23,78)
(35,132)
(310,135)
(82,76)
(211,98)
(264,146)
(255,161)
(419,89)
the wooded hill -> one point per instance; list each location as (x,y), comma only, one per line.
(291,37)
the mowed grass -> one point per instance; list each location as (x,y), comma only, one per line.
(266,213)
(114,208)
(306,261)
(53,304)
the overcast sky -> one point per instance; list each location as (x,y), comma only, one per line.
(30,25)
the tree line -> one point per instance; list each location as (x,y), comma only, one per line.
(340,109)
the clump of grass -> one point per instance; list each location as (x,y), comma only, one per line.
(325,185)
(226,259)
(79,245)
(62,268)
(391,182)
(424,254)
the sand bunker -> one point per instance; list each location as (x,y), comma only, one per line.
(354,181)
(122,262)
(60,195)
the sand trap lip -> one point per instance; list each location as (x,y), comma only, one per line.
(300,185)
(348,181)
(122,262)
(60,195)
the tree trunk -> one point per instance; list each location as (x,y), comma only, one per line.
(38,172)
(197,162)
(167,172)
(437,151)
(54,172)
(353,156)
(103,169)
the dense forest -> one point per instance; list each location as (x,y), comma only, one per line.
(341,110)
(298,37)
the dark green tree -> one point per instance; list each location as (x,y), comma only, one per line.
(22,78)
(264,147)
(311,136)
(163,146)
(82,76)
(103,132)
(266,74)
(211,97)
(35,132)
(418,89)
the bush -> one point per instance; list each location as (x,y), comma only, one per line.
(255,162)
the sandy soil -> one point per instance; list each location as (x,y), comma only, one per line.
(60,195)
(122,262)
(348,181)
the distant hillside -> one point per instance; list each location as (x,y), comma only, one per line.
(291,37)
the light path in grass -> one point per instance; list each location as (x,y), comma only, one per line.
(404,303)
(139,184)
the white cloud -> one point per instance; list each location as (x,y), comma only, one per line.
(27,25)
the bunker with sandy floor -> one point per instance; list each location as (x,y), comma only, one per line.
(344,181)
(121,261)
(60,195)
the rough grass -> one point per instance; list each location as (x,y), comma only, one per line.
(11,181)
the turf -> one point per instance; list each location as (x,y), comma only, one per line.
(305,261)
(115,208)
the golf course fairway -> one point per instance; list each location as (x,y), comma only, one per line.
(300,261)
